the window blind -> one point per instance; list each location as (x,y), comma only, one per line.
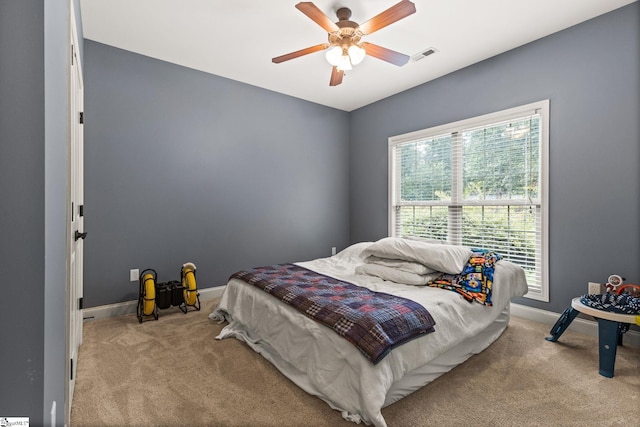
(480,183)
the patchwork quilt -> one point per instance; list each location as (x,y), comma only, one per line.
(374,322)
(475,281)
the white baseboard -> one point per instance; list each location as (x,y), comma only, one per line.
(118,309)
(582,326)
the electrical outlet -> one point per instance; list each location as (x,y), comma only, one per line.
(333,250)
(134,275)
(595,288)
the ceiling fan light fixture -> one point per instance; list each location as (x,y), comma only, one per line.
(357,54)
(334,55)
(344,63)
(344,58)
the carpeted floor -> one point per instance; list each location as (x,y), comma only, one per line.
(173,372)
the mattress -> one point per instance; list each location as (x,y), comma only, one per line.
(326,365)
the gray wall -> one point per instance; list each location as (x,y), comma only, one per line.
(33,123)
(186,166)
(22,208)
(591,75)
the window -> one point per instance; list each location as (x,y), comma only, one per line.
(480,182)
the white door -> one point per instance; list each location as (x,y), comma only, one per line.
(75,227)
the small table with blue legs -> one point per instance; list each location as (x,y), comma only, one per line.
(611,326)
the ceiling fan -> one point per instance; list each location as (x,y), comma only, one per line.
(345,47)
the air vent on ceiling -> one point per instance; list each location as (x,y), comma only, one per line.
(421,55)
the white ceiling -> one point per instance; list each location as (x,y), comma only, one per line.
(237,38)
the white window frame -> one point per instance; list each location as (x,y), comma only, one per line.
(541,108)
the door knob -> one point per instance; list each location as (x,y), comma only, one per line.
(80,235)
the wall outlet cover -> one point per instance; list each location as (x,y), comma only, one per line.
(134,275)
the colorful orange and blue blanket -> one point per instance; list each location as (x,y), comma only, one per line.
(475,281)
(374,322)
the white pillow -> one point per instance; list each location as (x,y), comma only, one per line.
(440,257)
(395,275)
(352,253)
(425,239)
(409,266)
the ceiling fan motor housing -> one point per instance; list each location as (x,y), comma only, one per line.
(348,33)
(343,14)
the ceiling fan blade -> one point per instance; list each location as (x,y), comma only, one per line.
(336,76)
(388,17)
(299,53)
(318,16)
(385,54)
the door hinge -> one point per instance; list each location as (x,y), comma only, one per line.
(81,117)
(81,210)
(71,366)
(80,303)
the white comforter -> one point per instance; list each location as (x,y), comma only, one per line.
(326,365)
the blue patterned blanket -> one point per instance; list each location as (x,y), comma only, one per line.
(475,282)
(374,322)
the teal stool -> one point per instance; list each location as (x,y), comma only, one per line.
(611,326)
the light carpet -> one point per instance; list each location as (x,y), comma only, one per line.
(172,372)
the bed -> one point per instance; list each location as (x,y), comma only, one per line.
(325,364)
